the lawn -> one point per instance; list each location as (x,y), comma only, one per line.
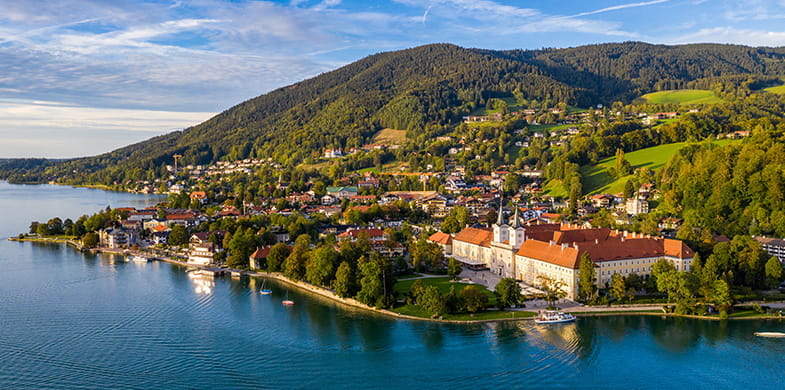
(548,128)
(596,178)
(417,311)
(682,96)
(390,137)
(444,284)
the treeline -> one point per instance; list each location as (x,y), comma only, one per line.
(731,190)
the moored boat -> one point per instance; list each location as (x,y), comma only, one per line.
(139,259)
(286,301)
(553,317)
(265,291)
(770,334)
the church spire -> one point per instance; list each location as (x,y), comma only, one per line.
(515,222)
(500,218)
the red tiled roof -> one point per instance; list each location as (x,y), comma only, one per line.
(481,237)
(677,248)
(260,253)
(602,245)
(356,232)
(441,238)
(180,216)
(550,253)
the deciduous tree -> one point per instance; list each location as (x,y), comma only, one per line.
(508,293)
(473,299)
(586,275)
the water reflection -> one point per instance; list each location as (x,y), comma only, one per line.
(203,281)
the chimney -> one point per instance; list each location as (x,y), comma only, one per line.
(596,241)
(563,245)
(575,245)
(622,238)
(551,242)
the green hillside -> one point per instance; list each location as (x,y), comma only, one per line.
(425,91)
(596,178)
(682,96)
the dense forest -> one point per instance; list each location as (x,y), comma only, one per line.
(425,90)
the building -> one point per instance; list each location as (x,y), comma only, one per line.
(773,246)
(199,196)
(202,254)
(526,252)
(613,252)
(115,238)
(342,192)
(258,259)
(443,240)
(637,206)
(333,153)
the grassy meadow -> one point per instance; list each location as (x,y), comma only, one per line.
(682,96)
(597,180)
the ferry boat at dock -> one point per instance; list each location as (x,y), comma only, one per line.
(553,317)
(139,259)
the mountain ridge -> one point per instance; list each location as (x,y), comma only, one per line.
(424,90)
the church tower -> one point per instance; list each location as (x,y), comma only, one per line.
(517,233)
(500,229)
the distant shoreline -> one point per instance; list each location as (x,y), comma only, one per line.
(596,311)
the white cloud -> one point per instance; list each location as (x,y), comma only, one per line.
(490,17)
(733,35)
(54,129)
(621,6)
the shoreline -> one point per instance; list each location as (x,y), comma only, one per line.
(596,311)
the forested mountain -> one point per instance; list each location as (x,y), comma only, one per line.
(425,90)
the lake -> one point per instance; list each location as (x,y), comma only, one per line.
(70,320)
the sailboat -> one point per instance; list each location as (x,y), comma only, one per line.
(265,291)
(286,300)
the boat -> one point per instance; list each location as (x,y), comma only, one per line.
(286,301)
(139,259)
(770,334)
(265,291)
(553,317)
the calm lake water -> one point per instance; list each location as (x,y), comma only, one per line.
(69,320)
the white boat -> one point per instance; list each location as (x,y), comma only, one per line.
(287,301)
(265,291)
(553,317)
(139,259)
(770,334)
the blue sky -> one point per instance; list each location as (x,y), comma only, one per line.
(82,77)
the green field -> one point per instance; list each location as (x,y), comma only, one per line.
(548,128)
(780,89)
(390,137)
(555,188)
(596,178)
(682,96)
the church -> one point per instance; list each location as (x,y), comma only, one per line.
(526,251)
